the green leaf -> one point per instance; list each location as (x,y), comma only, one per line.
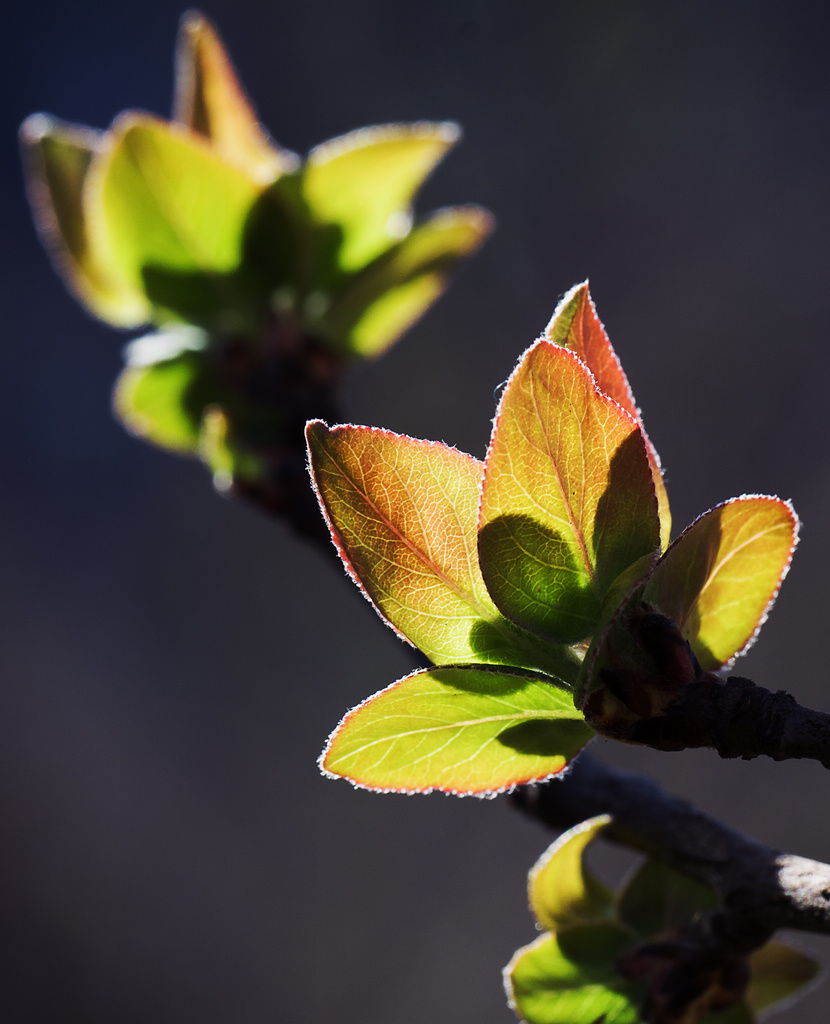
(567,501)
(211,101)
(163,390)
(576,326)
(737,1013)
(461,729)
(363,183)
(570,979)
(720,577)
(562,890)
(657,898)
(57,157)
(779,972)
(171,215)
(387,297)
(229,459)
(402,514)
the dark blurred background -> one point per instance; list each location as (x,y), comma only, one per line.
(173,662)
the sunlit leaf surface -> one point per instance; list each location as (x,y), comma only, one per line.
(570,978)
(363,183)
(403,516)
(58,157)
(562,890)
(210,100)
(458,729)
(576,326)
(173,215)
(719,578)
(568,500)
(384,299)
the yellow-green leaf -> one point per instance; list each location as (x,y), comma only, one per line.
(459,729)
(567,501)
(576,326)
(57,157)
(163,390)
(562,890)
(211,101)
(719,578)
(570,979)
(378,304)
(402,514)
(171,215)
(779,972)
(363,183)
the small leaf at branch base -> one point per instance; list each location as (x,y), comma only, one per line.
(576,326)
(57,157)
(364,182)
(779,973)
(562,890)
(719,578)
(384,299)
(570,979)
(163,400)
(461,729)
(567,500)
(210,100)
(657,898)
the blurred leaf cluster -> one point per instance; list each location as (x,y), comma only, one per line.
(623,957)
(264,275)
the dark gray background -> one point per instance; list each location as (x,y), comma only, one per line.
(172,662)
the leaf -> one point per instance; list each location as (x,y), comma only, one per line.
(567,501)
(211,101)
(562,890)
(171,215)
(163,390)
(778,972)
(576,326)
(402,514)
(363,183)
(657,898)
(57,157)
(570,979)
(393,291)
(460,729)
(720,577)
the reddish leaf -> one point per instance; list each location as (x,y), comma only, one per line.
(576,326)
(567,501)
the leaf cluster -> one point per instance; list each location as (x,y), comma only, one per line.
(540,582)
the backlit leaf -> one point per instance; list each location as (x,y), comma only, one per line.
(363,183)
(460,729)
(57,158)
(163,390)
(719,578)
(567,501)
(562,889)
(402,513)
(172,215)
(778,972)
(576,326)
(570,979)
(386,298)
(210,100)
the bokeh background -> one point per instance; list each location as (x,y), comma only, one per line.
(172,662)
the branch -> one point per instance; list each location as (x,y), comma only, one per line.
(761,889)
